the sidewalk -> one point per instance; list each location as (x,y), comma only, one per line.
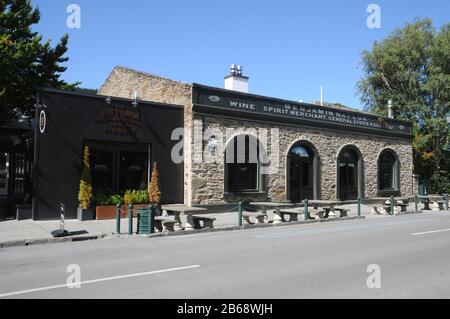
(28,232)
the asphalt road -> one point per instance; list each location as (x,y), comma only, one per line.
(328,260)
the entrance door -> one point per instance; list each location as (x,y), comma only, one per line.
(348,176)
(117,167)
(300,174)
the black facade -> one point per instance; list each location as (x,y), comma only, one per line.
(125,138)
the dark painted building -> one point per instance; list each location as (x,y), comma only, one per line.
(125,137)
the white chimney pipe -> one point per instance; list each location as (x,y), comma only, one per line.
(321,95)
(235,81)
(390,110)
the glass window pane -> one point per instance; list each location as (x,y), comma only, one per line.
(387,171)
(243,170)
(300,151)
(4,174)
(101,162)
(306,174)
(133,170)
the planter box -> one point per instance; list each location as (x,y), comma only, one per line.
(85,214)
(109,212)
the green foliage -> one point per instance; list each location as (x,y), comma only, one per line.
(85,194)
(105,200)
(25,61)
(440,182)
(136,197)
(412,68)
(116,199)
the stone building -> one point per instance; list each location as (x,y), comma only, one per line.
(290,150)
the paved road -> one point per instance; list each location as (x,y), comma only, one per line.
(306,261)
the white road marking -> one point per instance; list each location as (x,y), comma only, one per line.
(294,231)
(431,232)
(15,293)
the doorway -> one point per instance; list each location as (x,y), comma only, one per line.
(349,174)
(117,167)
(301,169)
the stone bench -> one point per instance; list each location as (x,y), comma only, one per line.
(438,205)
(384,209)
(343,212)
(207,222)
(293,216)
(164,224)
(403,208)
(259,217)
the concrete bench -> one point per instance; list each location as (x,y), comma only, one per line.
(438,205)
(403,208)
(208,222)
(164,224)
(343,212)
(384,209)
(259,217)
(293,216)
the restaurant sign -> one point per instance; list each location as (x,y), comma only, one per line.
(301,113)
(120,120)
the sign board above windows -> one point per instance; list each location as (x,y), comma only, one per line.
(208,100)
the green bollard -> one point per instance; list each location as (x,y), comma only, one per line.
(151,209)
(359,206)
(241,209)
(118,219)
(130,219)
(416,203)
(392,205)
(306,212)
(446,201)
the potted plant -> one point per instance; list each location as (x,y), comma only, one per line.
(106,206)
(154,191)
(85,210)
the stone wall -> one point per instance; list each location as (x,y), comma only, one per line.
(123,82)
(208,176)
(204,174)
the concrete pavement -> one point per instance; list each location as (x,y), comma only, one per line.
(28,231)
(327,260)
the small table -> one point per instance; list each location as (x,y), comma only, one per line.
(277,219)
(315,203)
(179,209)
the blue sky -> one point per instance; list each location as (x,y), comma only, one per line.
(287,48)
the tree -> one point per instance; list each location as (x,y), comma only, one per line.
(85,195)
(411,67)
(25,62)
(154,190)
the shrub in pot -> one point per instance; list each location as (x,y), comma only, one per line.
(85,210)
(154,191)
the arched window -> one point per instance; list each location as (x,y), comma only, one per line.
(242,165)
(388,179)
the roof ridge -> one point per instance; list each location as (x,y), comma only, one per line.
(148,74)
